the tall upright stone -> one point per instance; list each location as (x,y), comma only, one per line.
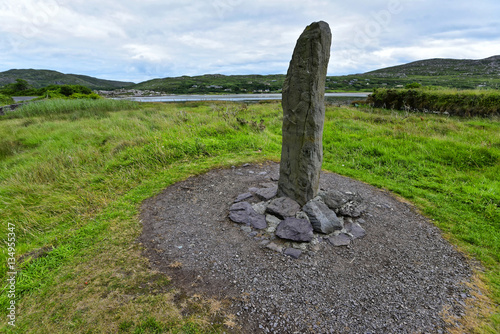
(304,114)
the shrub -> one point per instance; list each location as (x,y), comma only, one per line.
(413,85)
(16,88)
(460,103)
(5,100)
(93,96)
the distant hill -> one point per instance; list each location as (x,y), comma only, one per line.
(448,73)
(452,73)
(214,83)
(43,78)
(438,67)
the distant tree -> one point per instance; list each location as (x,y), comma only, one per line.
(21,85)
(82,89)
(413,85)
(66,90)
(15,88)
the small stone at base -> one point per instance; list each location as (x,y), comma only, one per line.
(340,240)
(274,247)
(355,230)
(264,242)
(266,194)
(246,229)
(242,197)
(293,252)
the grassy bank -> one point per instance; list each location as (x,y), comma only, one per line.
(72,178)
(71,109)
(484,103)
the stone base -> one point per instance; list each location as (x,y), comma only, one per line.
(282,225)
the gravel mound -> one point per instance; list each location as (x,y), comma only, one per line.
(397,279)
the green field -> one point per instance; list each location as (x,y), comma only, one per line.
(73,174)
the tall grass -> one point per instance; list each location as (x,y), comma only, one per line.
(72,183)
(78,108)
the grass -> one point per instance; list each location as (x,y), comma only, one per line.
(72,177)
(66,108)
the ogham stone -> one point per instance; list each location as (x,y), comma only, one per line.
(303,114)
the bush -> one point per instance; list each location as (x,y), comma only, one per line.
(93,96)
(460,103)
(16,88)
(69,90)
(5,100)
(413,85)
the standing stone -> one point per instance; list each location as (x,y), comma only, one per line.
(304,114)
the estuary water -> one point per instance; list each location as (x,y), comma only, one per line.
(233,97)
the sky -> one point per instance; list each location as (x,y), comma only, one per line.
(139,40)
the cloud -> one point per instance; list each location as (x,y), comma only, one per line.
(139,40)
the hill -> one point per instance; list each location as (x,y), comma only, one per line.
(450,73)
(215,83)
(439,67)
(43,78)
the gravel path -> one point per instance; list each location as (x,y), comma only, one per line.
(397,279)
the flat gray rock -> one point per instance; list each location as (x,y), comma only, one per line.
(334,199)
(258,221)
(323,219)
(353,208)
(293,252)
(355,230)
(239,212)
(283,207)
(343,203)
(340,240)
(295,229)
(243,197)
(243,213)
(266,194)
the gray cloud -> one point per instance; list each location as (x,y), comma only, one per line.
(140,40)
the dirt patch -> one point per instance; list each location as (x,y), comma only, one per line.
(35,254)
(398,279)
